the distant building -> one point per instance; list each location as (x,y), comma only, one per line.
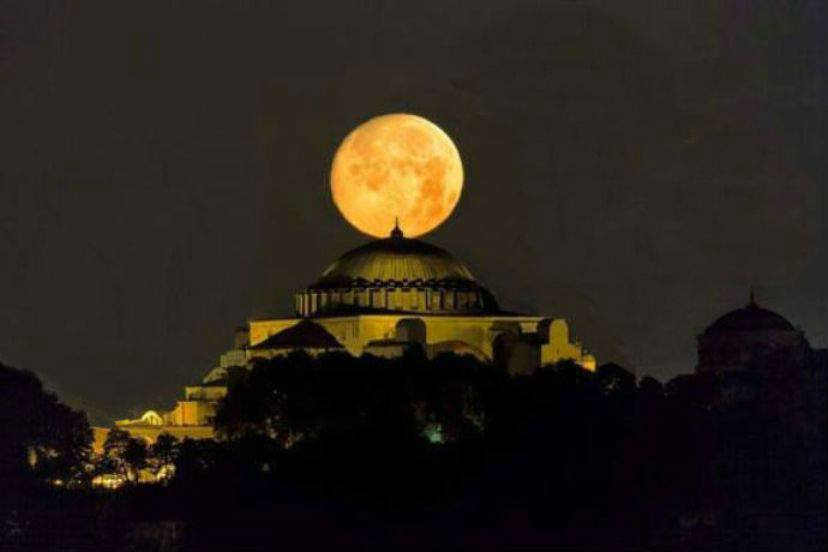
(751,338)
(382,298)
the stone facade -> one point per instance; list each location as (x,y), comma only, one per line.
(358,334)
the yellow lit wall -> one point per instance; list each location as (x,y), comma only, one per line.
(192,413)
(205,392)
(559,347)
(356,332)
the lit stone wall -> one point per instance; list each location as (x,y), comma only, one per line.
(233,357)
(355,332)
(559,347)
(189,419)
(476,331)
(480,332)
(192,413)
(204,392)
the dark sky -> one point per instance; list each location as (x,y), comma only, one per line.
(632,166)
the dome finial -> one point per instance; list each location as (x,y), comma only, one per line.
(752,300)
(396,232)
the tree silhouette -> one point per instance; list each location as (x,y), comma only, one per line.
(162,454)
(572,458)
(42,438)
(123,455)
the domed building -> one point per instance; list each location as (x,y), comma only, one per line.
(396,292)
(382,298)
(389,295)
(751,337)
(395,275)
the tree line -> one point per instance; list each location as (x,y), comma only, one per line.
(316,450)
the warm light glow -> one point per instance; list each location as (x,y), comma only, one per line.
(397,165)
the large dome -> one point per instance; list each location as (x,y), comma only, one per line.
(395,259)
(396,274)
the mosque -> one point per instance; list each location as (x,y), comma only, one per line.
(753,338)
(381,298)
(390,295)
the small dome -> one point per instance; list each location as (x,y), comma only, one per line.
(751,318)
(395,259)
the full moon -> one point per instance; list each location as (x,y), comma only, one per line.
(396,166)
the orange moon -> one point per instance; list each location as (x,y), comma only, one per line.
(396,166)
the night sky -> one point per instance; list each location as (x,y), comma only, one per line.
(632,166)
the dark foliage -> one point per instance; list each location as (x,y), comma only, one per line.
(561,456)
(406,453)
(43,443)
(123,455)
(39,432)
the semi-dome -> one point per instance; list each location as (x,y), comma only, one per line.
(395,274)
